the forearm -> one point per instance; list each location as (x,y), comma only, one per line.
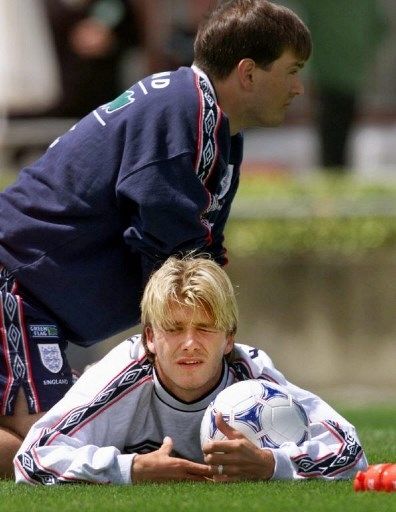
(81,438)
(51,465)
(333,453)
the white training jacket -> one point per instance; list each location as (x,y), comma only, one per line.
(118,408)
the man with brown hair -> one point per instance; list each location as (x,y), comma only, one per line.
(150,174)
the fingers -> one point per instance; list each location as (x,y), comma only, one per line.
(159,467)
(226,479)
(254,464)
(185,468)
(201,470)
(226,475)
(227,460)
(167,446)
(226,429)
(228,446)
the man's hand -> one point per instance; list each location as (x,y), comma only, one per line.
(237,457)
(160,466)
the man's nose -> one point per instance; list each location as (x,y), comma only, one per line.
(190,339)
(298,86)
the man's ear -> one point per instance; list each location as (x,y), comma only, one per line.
(230,344)
(149,335)
(246,68)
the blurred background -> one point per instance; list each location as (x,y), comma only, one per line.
(312,234)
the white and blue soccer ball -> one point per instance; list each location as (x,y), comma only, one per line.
(264,412)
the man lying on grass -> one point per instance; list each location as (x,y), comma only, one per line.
(135,416)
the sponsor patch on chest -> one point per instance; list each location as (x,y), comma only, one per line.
(43,331)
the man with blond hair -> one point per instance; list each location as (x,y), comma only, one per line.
(135,416)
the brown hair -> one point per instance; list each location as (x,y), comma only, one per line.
(255,29)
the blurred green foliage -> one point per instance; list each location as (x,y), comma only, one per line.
(315,185)
(6,177)
(315,215)
(336,235)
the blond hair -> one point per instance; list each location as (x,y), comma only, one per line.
(195,282)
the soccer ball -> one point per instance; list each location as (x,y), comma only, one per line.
(264,412)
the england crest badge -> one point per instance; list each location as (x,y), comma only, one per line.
(51,356)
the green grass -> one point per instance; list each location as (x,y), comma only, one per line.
(274,497)
(377,429)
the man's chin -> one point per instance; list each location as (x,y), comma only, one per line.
(273,122)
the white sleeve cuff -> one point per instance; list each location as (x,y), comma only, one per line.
(283,466)
(125,468)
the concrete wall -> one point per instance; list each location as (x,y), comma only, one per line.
(330,326)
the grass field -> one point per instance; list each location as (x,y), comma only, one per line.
(377,429)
